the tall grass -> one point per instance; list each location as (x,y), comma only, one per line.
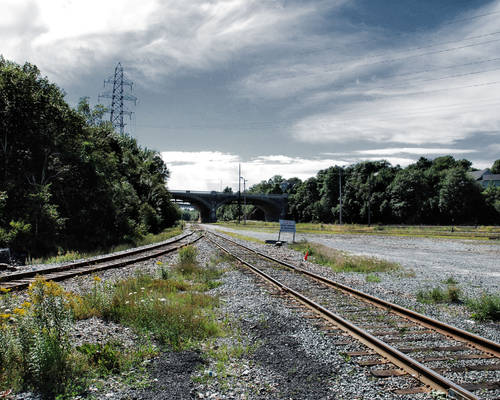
(486,307)
(172,307)
(340,261)
(35,349)
(71,255)
(452,294)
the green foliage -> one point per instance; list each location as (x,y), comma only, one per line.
(342,262)
(486,307)
(36,351)
(172,309)
(373,278)
(495,169)
(106,358)
(66,177)
(439,191)
(187,256)
(452,294)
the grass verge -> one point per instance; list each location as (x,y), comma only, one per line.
(71,255)
(242,237)
(340,261)
(490,233)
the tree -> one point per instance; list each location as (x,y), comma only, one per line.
(495,169)
(67,179)
(460,199)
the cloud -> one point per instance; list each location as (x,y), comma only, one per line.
(436,87)
(215,170)
(155,39)
(414,150)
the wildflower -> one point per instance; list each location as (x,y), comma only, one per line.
(5,316)
(127,302)
(143,288)
(130,294)
(97,279)
(3,290)
(162,299)
(159,263)
(19,311)
(26,304)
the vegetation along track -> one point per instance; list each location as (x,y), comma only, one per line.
(400,342)
(21,280)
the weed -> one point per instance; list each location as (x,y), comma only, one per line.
(437,295)
(71,255)
(106,358)
(347,358)
(373,278)
(35,351)
(164,308)
(486,307)
(450,281)
(340,261)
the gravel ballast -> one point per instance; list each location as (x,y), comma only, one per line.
(275,353)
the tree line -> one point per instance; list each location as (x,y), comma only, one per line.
(439,191)
(67,180)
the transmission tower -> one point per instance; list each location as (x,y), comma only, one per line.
(118,96)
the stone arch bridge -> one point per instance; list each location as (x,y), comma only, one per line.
(274,206)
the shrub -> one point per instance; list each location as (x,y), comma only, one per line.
(437,295)
(486,307)
(35,350)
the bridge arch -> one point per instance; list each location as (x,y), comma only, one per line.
(207,203)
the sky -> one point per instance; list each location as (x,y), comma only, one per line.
(282,87)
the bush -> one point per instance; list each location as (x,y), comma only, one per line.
(437,295)
(487,307)
(35,351)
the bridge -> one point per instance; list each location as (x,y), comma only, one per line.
(274,206)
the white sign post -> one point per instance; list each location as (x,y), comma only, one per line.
(286,226)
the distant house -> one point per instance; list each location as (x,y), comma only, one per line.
(486,178)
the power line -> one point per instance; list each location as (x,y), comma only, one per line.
(472,17)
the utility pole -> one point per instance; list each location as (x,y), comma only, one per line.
(118,96)
(244,200)
(340,195)
(239,193)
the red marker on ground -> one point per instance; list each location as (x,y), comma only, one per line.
(307,254)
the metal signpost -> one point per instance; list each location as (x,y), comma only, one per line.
(287,226)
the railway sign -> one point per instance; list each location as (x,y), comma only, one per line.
(287,226)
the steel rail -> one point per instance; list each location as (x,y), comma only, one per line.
(23,279)
(419,371)
(479,342)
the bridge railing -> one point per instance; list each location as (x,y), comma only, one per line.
(214,193)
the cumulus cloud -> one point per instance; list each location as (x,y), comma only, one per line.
(211,170)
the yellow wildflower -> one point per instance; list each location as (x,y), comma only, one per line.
(97,279)
(5,316)
(159,263)
(26,304)
(3,290)
(19,311)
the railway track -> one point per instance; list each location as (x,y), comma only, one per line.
(21,280)
(392,341)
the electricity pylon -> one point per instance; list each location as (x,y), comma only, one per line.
(118,96)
